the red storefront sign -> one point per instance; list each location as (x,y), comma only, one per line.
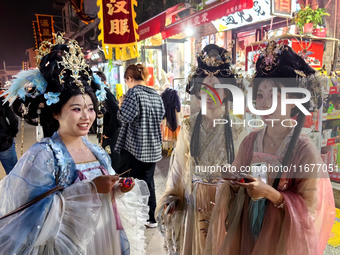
(118,28)
(311,52)
(199,18)
(151,27)
(118,22)
(156,24)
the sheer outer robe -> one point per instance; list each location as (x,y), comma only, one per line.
(185,224)
(302,228)
(37,171)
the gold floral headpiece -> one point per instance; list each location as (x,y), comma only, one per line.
(314,83)
(73,60)
(215,60)
(46,46)
(270,55)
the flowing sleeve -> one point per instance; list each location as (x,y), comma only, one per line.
(133,210)
(309,207)
(58,224)
(179,172)
(228,203)
(178,186)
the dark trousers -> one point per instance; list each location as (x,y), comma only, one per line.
(140,170)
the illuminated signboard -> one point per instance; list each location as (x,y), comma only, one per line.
(259,12)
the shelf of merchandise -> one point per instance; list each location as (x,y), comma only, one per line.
(335,176)
(334,115)
(330,141)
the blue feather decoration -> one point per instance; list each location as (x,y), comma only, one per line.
(27,83)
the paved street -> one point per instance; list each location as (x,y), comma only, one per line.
(154,238)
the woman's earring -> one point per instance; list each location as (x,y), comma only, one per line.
(23,110)
(100,122)
(38,130)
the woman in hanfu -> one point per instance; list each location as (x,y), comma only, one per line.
(283,205)
(184,210)
(91,212)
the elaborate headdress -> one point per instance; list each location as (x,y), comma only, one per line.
(212,61)
(32,83)
(62,72)
(281,61)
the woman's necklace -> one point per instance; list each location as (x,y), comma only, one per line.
(82,154)
(272,143)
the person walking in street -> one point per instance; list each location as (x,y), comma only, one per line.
(140,141)
(8,132)
(74,203)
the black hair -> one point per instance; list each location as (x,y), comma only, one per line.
(101,75)
(288,64)
(172,104)
(50,69)
(220,71)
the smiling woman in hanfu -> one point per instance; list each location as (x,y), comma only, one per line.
(93,211)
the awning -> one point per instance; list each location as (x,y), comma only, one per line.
(152,26)
(210,14)
(156,24)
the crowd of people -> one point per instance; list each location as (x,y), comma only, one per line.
(67,195)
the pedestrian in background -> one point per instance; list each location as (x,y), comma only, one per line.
(140,141)
(8,131)
(111,124)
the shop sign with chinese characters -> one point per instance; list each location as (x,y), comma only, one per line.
(118,28)
(259,12)
(45,26)
(207,15)
(282,8)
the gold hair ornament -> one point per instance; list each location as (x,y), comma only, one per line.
(216,60)
(270,56)
(75,62)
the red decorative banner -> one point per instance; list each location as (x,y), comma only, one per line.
(36,33)
(118,28)
(45,26)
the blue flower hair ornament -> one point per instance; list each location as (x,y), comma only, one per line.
(52,98)
(28,83)
(100,93)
